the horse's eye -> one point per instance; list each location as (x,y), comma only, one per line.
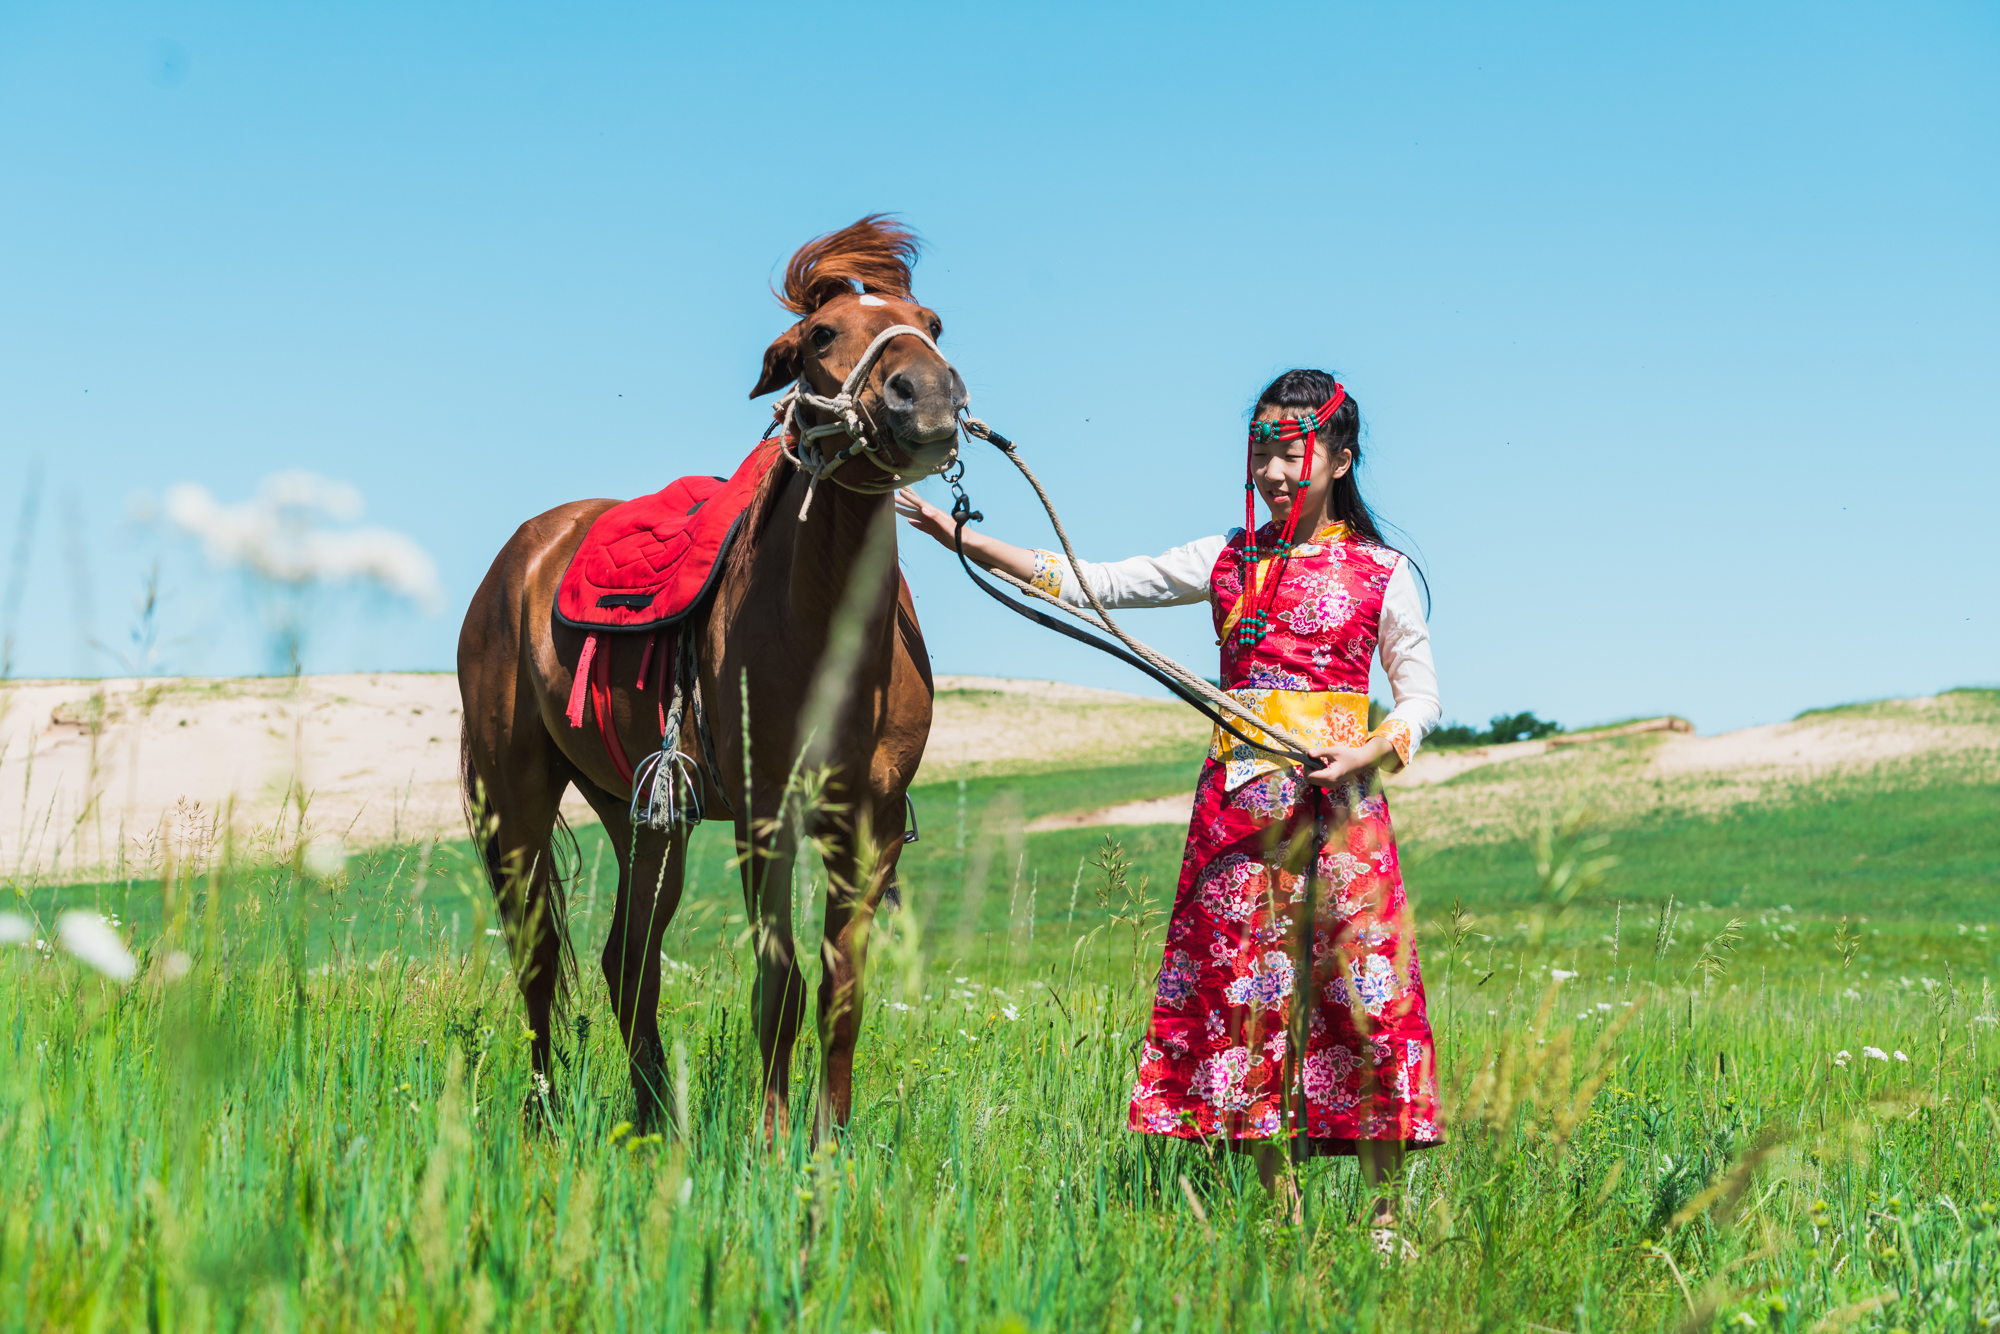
(937,330)
(822,338)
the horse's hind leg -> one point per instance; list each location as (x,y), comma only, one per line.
(652,869)
(515,797)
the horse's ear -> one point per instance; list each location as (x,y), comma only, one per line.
(781,362)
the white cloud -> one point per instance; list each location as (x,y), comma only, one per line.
(280,535)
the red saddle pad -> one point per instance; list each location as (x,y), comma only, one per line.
(649,562)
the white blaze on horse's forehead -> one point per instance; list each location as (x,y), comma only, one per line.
(870,299)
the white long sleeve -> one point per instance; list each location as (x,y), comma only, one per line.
(1171,579)
(1404,642)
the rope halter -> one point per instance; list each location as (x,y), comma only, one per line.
(1252,626)
(848,420)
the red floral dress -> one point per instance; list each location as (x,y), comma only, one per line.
(1214,1061)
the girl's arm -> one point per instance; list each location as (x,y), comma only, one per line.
(1170,579)
(1404,641)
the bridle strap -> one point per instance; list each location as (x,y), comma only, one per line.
(845,410)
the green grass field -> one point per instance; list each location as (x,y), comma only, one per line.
(318,1124)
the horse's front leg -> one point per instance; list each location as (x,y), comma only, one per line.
(648,895)
(858,874)
(778,995)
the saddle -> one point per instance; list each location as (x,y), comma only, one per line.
(647,565)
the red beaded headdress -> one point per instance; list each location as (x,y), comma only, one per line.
(1251,627)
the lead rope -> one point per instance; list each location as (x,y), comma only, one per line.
(1183,682)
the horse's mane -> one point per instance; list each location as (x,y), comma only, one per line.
(757,517)
(875,252)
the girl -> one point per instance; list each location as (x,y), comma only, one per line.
(1301,605)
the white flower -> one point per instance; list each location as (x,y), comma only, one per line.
(177,965)
(1874,1054)
(1851,994)
(1843,1055)
(1604,1005)
(91,939)
(326,858)
(1561,975)
(1011,1013)
(898,1005)
(15,929)
(1901,1057)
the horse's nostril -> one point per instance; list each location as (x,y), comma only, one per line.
(899,391)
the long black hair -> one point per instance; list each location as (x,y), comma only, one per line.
(1306,391)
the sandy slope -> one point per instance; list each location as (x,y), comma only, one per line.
(1465,795)
(89,770)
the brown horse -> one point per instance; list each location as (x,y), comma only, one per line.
(767,628)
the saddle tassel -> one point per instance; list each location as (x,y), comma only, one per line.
(579,687)
(645,661)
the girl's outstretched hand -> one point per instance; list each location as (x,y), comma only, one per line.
(981,548)
(925,517)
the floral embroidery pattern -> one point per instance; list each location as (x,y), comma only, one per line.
(1268,982)
(1399,736)
(1177,980)
(1048,574)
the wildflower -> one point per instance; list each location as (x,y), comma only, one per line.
(1562,975)
(1851,994)
(1604,1005)
(1013,1014)
(1841,1058)
(1901,1057)
(91,939)
(1874,1054)
(326,858)
(177,965)
(15,929)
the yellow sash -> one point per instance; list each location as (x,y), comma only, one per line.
(1322,717)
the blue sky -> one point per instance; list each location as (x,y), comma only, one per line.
(1673,326)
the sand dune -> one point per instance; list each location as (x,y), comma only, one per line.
(91,773)
(90,770)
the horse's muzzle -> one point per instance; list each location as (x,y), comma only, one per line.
(922,403)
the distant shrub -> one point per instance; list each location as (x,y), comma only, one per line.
(1501,728)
